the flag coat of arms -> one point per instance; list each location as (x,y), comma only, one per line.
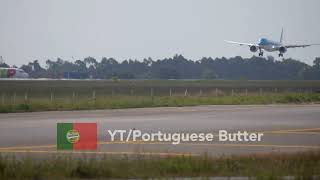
(76,136)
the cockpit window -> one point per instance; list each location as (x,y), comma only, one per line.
(262,41)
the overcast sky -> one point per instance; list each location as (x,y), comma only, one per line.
(136,29)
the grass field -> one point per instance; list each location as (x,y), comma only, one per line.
(118,102)
(304,165)
(161,87)
(42,95)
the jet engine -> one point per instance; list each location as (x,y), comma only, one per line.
(253,48)
(282,49)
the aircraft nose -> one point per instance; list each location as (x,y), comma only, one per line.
(261,41)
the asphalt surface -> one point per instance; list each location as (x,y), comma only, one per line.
(286,128)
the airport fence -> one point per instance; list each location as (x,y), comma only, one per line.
(74,95)
(72,92)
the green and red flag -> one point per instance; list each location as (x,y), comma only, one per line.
(76,136)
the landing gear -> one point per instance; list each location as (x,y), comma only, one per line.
(260,52)
(280,55)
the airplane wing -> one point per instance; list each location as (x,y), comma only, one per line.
(241,44)
(301,45)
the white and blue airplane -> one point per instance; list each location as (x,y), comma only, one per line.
(265,44)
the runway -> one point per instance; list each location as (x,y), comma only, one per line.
(286,128)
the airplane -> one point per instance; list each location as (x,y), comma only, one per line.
(12,73)
(265,44)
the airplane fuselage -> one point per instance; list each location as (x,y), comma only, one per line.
(12,73)
(269,45)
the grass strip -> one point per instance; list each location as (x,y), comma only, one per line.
(119,102)
(302,165)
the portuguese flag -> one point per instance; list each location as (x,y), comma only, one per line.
(76,136)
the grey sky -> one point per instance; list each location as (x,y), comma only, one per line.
(123,29)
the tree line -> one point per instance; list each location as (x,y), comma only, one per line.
(177,67)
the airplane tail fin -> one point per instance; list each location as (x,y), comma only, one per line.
(281,37)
